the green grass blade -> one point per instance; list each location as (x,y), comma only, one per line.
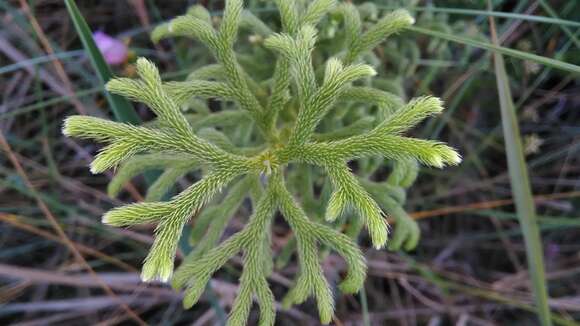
(510,15)
(122,109)
(566,30)
(365,307)
(500,50)
(521,189)
(460,11)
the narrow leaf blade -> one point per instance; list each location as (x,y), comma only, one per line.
(521,188)
(496,49)
(122,109)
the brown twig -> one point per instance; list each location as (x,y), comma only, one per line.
(488,204)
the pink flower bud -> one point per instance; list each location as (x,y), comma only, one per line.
(114,51)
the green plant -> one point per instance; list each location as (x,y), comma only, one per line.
(280,140)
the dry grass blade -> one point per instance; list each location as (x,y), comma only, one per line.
(49,50)
(487,205)
(14,221)
(54,223)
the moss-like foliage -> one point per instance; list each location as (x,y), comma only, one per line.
(284,141)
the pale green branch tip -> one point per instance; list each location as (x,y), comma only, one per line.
(301,101)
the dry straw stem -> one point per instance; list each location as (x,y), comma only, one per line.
(62,235)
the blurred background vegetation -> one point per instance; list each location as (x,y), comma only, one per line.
(60,265)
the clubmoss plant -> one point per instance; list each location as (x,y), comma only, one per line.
(275,141)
